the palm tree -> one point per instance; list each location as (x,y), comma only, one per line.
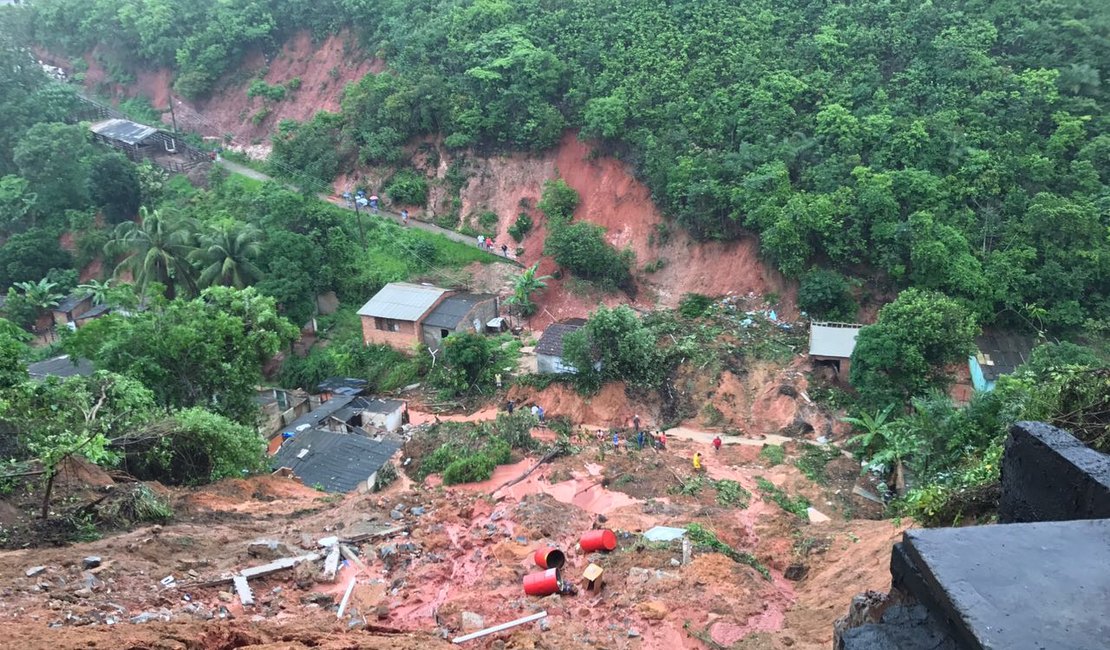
(523,288)
(156,249)
(97,289)
(41,295)
(226,256)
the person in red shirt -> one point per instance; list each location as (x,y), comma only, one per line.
(717,443)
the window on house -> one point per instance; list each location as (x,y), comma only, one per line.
(387,325)
(444,333)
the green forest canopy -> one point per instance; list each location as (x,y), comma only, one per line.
(955,145)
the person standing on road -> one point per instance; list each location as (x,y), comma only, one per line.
(662,440)
(697,461)
(481,241)
(404,217)
(504,250)
(717,443)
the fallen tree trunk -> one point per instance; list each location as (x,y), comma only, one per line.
(547,458)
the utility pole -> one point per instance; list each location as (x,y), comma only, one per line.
(173,116)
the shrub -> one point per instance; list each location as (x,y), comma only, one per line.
(488,219)
(694,305)
(470,469)
(826,295)
(731,493)
(407,188)
(259,88)
(772,455)
(521,227)
(799,506)
(705,537)
(581,248)
(558,200)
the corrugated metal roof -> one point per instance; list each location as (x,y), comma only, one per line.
(322,412)
(71,302)
(1001,354)
(451,311)
(124,131)
(63,366)
(833,339)
(337,461)
(402,301)
(551,343)
(343,385)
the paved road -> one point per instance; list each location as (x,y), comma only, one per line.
(243,170)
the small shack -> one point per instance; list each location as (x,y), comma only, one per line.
(336,462)
(68,311)
(136,140)
(368,413)
(464,312)
(997,354)
(549,349)
(832,344)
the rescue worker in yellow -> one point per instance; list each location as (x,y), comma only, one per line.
(697,461)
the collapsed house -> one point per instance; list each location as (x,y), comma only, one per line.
(334,462)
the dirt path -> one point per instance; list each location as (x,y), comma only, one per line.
(243,170)
(693,435)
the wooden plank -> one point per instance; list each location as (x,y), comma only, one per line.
(244,590)
(497,628)
(331,564)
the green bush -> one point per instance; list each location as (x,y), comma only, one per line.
(731,493)
(259,88)
(705,537)
(558,200)
(581,249)
(488,219)
(772,455)
(827,295)
(799,506)
(470,469)
(521,227)
(407,188)
(694,305)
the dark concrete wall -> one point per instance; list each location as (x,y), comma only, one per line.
(1048,475)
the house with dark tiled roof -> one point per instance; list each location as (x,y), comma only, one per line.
(457,314)
(997,354)
(549,349)
(70,309)
(336,462)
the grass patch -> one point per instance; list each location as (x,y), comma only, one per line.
(813,460)
(772,455)
(798,506)
(731,493)
(704,537)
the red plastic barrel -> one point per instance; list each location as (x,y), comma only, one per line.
(598,540)
(549,557)
(543,583)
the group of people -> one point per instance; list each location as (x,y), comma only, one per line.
(487,244)
(537,411)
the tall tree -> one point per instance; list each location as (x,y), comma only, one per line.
(156,249)
(906,351)
(226,255)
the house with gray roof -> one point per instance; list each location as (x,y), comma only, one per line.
(457,314)
(337,462)
(997,354)
(549,349)
(395,315)
(832,344)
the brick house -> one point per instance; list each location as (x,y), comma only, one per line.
(395,315)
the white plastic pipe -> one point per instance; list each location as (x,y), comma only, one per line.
(497,628)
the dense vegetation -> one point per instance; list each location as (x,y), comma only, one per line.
(205,284)
(957,145)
